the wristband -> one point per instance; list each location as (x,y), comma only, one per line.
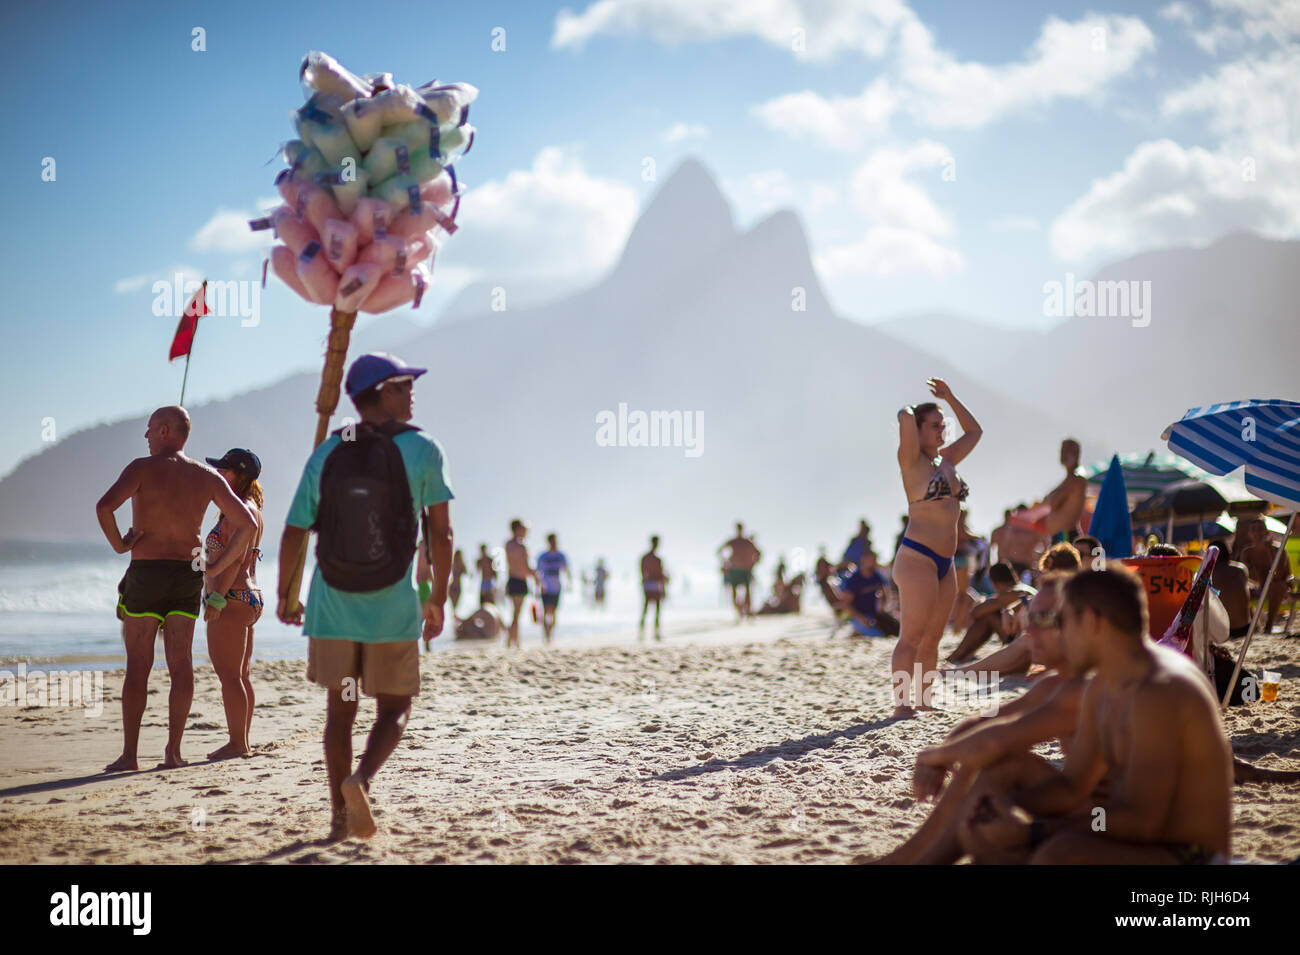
(216,601)
(426,591)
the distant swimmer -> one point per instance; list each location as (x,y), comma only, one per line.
(922,569)
(738,569)
(600,576)
(551,563)
(458,570)
(1067,499)
(519,572)
(169,494)
(487,577)
(654,584)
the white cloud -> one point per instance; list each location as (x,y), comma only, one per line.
(842,122)
(1170,195)
(1076,60)
(808,30)
(1178,12)
(228,231)
(131,284)
(1166,195)
(762,192)
(907,232)
(551,220)
(1067,61)
(680,132)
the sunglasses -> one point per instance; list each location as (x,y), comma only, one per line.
(1045,619)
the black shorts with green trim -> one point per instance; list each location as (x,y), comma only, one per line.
(158,588)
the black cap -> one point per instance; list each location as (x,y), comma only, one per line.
(239,460)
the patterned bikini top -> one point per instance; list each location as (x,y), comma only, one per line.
(939,489)
(213,544)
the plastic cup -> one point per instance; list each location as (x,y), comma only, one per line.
(1268,686)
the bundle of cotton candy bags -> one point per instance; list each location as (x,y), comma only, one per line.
(369,186)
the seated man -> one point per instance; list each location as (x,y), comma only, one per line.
(992,753)
(1149,723)
(995,615)
(859,598)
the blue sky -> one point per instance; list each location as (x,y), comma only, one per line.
(944,155)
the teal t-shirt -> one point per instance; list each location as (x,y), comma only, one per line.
(380,616)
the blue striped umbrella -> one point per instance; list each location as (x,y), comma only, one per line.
(1263,436)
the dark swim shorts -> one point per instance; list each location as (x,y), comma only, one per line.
(551,600)
(157,588)
(516,587)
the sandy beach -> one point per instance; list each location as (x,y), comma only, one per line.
(767,743)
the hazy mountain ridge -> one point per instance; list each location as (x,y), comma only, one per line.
(797,407)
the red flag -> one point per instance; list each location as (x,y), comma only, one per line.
(189,323)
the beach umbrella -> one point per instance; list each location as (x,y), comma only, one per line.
(1110,520)
(1144,472)
(1263,436)
(1191,498)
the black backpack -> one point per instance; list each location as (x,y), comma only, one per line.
(366,529)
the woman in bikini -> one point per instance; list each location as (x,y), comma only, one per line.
(234,603)
(922,569)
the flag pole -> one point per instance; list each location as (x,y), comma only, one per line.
(203,292)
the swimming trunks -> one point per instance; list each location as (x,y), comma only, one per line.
(1188,854)
(1236,633)
(654,589)
(551,600)
(941,564)
(739,577)
(516,587)
(159,588)
(939,489)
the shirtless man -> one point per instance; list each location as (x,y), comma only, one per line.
(992,753)
(1258,555)
(1067,498)
(518,571)
(169,495)
(1232,581)
(1017,546)
(653,585)
(1149,723)
(487,577)
(741,557)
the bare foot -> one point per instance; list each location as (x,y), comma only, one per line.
(172,760)
(360,823)
(338,827)
(229,751)
(123,764)
(903,713)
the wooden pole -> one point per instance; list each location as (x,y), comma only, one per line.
(1259,609)
(327,399)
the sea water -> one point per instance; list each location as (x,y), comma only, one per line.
(57,606)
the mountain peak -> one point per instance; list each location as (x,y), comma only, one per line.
(687,218)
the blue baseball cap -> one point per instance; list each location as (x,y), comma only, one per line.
(369,370)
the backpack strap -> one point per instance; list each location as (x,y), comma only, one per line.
(392,428)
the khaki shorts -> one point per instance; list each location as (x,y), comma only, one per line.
(390,669)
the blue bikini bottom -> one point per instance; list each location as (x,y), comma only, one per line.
(941,564)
